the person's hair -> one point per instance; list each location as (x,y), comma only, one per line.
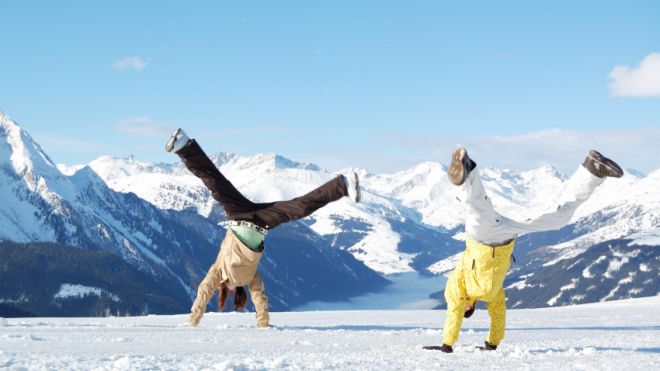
(222,297)
(240,298)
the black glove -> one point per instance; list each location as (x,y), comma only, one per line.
(444,348)
(488,346)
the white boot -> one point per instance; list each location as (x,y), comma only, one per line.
(353,186)
(177,141)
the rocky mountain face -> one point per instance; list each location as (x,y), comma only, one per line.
(609,270)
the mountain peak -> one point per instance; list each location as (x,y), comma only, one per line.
(7,124)
(282,162)
(431,166)
(271,160)
(546,171)
(111,168)
(4,118)
(86,177)
(220,158)
(23,153)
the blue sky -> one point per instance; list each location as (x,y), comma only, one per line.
(382,85)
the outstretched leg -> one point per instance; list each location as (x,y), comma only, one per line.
(276,213)
(232,201)
(238,207)
(579,188)
(482,222)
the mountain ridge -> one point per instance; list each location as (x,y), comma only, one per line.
(173,247)
(411,221)
(408,221)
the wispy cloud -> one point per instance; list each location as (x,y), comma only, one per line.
(633,148)
(143,127)
(135,63)
(565,149)
(642,81)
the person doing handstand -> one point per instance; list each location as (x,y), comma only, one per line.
(479,275)
(249,223)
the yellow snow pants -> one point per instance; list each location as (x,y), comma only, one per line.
(479,275)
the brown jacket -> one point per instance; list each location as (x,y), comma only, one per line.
(236,265)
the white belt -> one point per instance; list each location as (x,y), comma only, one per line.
(243,223)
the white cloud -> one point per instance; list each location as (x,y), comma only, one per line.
(136,63)
(564,149)
(143,127)
(643,81)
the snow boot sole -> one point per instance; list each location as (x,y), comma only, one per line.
(601,166)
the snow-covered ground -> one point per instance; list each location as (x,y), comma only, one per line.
(614,335)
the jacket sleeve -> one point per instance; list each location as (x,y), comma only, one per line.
(205,291)
(260,300)
(456,300)
(497,312)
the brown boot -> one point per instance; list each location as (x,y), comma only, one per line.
(460,167)
(601,166)
(443,348)
(488,346)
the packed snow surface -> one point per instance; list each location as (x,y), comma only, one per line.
(68,290)
(613,335)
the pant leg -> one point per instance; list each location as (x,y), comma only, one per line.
(236,205)
(579,188)
(482,222)
(497,312)
(456,299)
(276,213)
(260,300)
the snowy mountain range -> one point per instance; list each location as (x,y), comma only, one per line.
(386,231)
(411,220)
(172,247)
(408,221)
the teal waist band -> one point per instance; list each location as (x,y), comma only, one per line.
(249,237)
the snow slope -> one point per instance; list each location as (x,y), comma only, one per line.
(610,336)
